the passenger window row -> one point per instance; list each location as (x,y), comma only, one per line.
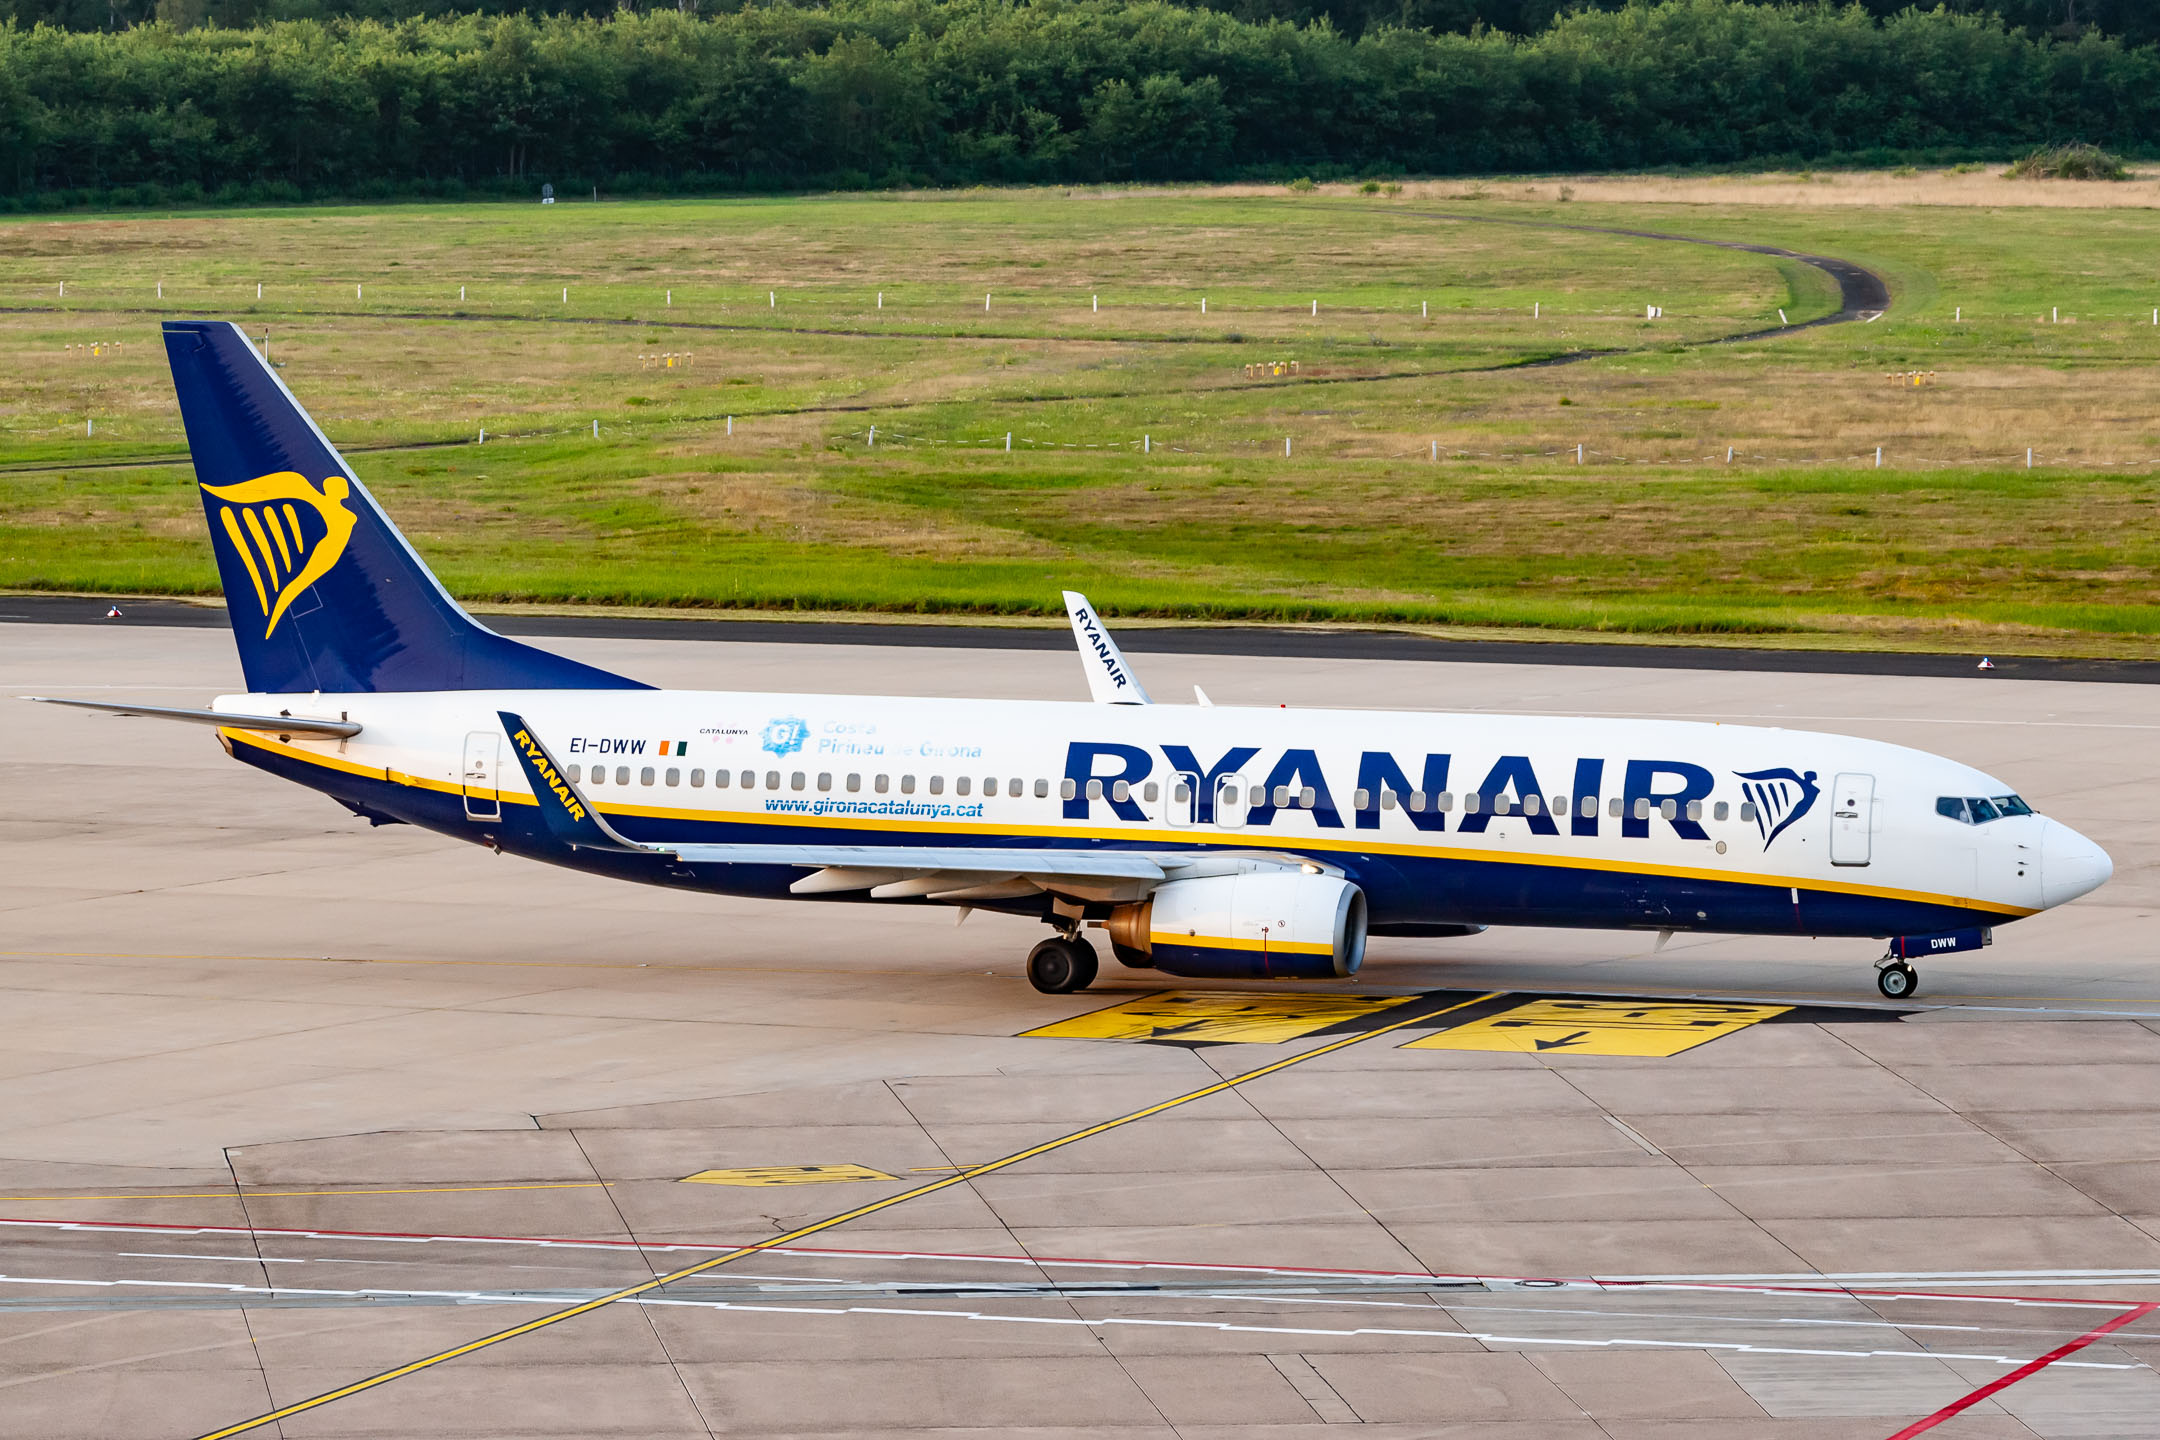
(1282,797)
(802,780)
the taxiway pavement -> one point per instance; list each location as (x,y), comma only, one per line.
(292,1103)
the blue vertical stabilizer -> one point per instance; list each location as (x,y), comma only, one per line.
(323,591)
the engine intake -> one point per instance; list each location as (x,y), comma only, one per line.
(1267,923)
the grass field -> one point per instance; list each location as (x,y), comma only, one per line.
(1431,477)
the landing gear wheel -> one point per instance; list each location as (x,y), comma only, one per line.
(1059,966)
(1897,982)
(1087,963)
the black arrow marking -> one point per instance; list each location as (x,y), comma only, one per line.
(1563,1040)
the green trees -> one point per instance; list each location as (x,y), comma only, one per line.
(956,91)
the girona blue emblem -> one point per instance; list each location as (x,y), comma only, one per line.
(1781,797)
(786,735)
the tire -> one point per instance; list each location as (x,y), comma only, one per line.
(1085,964)
(1897,982)
(1053,967)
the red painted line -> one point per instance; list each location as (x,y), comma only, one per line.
(2032,1367)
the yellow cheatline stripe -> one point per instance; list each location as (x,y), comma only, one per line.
(631,1291)
(1225,942)
(1168,838)
(282,1194)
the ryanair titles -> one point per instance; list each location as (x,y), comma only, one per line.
(1668,792)
(543,770)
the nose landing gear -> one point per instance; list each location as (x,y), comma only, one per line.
(1896,979)
(1061,964)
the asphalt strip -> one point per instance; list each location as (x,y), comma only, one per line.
(1253,641)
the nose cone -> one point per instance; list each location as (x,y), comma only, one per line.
(2070,865)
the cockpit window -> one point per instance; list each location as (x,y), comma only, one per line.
(1979,809)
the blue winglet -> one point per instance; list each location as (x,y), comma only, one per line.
(567,815)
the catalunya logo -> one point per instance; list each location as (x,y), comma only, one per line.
(286,532)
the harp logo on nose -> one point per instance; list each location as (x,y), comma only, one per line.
(286,532)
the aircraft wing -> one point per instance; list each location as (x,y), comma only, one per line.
(887,872)
(1111,680)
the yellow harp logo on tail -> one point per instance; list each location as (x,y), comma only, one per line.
(286,533)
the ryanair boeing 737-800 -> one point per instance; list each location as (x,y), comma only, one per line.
(1200,840)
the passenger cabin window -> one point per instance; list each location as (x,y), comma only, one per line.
(854,783)
(622,774)
(937,784)
(961,786)
(1067,790)
(645,775)
(674,776)
(907,784)
(1724,808)
(749,779)
(577,773)
(697,779)
(1747,809)
(882,783)
(1042,789)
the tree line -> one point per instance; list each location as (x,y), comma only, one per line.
(941,92)
(2135,21)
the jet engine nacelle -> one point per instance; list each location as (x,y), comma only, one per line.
(1267,923)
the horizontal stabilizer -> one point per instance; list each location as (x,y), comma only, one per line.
(268,724)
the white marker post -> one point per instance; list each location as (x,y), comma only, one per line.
(1728,454)
(1578,452)
(258,290)
(483,434)
(1285,447)
(1147,444)
(1316,309)
(565,294)
(1436,450)
(873,435)
(731,425)
(772,300)
(1959,318)
(671,299)
(461,294)
(89,427)
(2028,457)
(1424,309)
(1008,442)
(161,293)
(880,299)
(596,429)
(1203,304)
(1878,457)
(356,292)
(1537,310)
(986,303)
(63,289)
(2054,315)
(1094,304)
(1781,316)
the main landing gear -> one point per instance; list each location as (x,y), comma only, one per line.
(1061,964)
(1896,979)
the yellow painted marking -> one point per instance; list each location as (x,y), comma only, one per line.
(1599,1027)
(1215,1016)
(1181,839)
(1234,942)
(786,1175)
(927,1188)
(281,1194)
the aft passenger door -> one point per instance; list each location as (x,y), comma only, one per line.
(1852,819)
(483,764)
